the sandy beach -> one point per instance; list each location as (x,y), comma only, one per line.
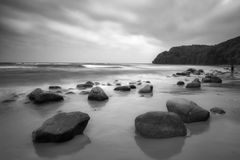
(110,133)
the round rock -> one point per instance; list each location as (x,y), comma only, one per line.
(61,127)
(146,89)
(160,125)
(97,94)
(187,110)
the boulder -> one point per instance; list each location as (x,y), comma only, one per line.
(54,87)
(217,110)
(97,83)
(39,96)
(132,86)
(191,70)
(211,79)
(84,86)
(180,83)
(185,73)
(97,94)
(146,89)
(118,84)
(122,88)
(194,84)
(187,110)
(90,83)
(61,127)
(160,125)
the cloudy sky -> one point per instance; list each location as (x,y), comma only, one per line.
(110,30)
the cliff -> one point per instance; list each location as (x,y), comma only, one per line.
(223,53)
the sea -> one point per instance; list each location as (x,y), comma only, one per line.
(110,133)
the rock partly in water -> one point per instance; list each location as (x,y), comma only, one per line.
(180,83)
(217,110)
(191,70)
(97,94)
(84,86)
(39,96)
(211,79)
(84,92)
(61,127)
(187,110)
(146,89)
(90,83)
(160,125)
(122,88)
(185,73)
(70,92)
(132,86)
(194,84)
(54,87)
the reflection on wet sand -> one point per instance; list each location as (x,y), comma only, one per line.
(54,150)
(160,148)
(198,127)
(96,105)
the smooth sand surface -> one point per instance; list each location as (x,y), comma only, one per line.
(110,134)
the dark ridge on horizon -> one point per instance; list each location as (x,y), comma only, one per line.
(226,52)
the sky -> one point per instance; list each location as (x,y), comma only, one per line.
(110,31)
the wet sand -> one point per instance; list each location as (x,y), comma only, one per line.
(110,133)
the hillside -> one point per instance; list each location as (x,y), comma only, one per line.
(222,53)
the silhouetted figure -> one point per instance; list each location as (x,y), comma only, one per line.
(232,66)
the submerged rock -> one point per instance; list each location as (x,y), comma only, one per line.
(122,88)
(146,89)
(54,87)
(84,92)
(217,110)
(70,92)
(97,94)
(39,96)
(187,110)
(180,83)
(160,125)
(61,127)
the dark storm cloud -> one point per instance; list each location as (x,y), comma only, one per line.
(80,30)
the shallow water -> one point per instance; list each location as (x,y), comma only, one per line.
(110,133)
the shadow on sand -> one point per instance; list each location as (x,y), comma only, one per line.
(160,148)
(54,150)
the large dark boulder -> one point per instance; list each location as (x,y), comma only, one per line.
(61,127)
(39,96)
(122,88)
(146,89)
(160,125)
(97,94)
(187,110)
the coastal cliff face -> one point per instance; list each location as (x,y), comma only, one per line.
(223,53)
